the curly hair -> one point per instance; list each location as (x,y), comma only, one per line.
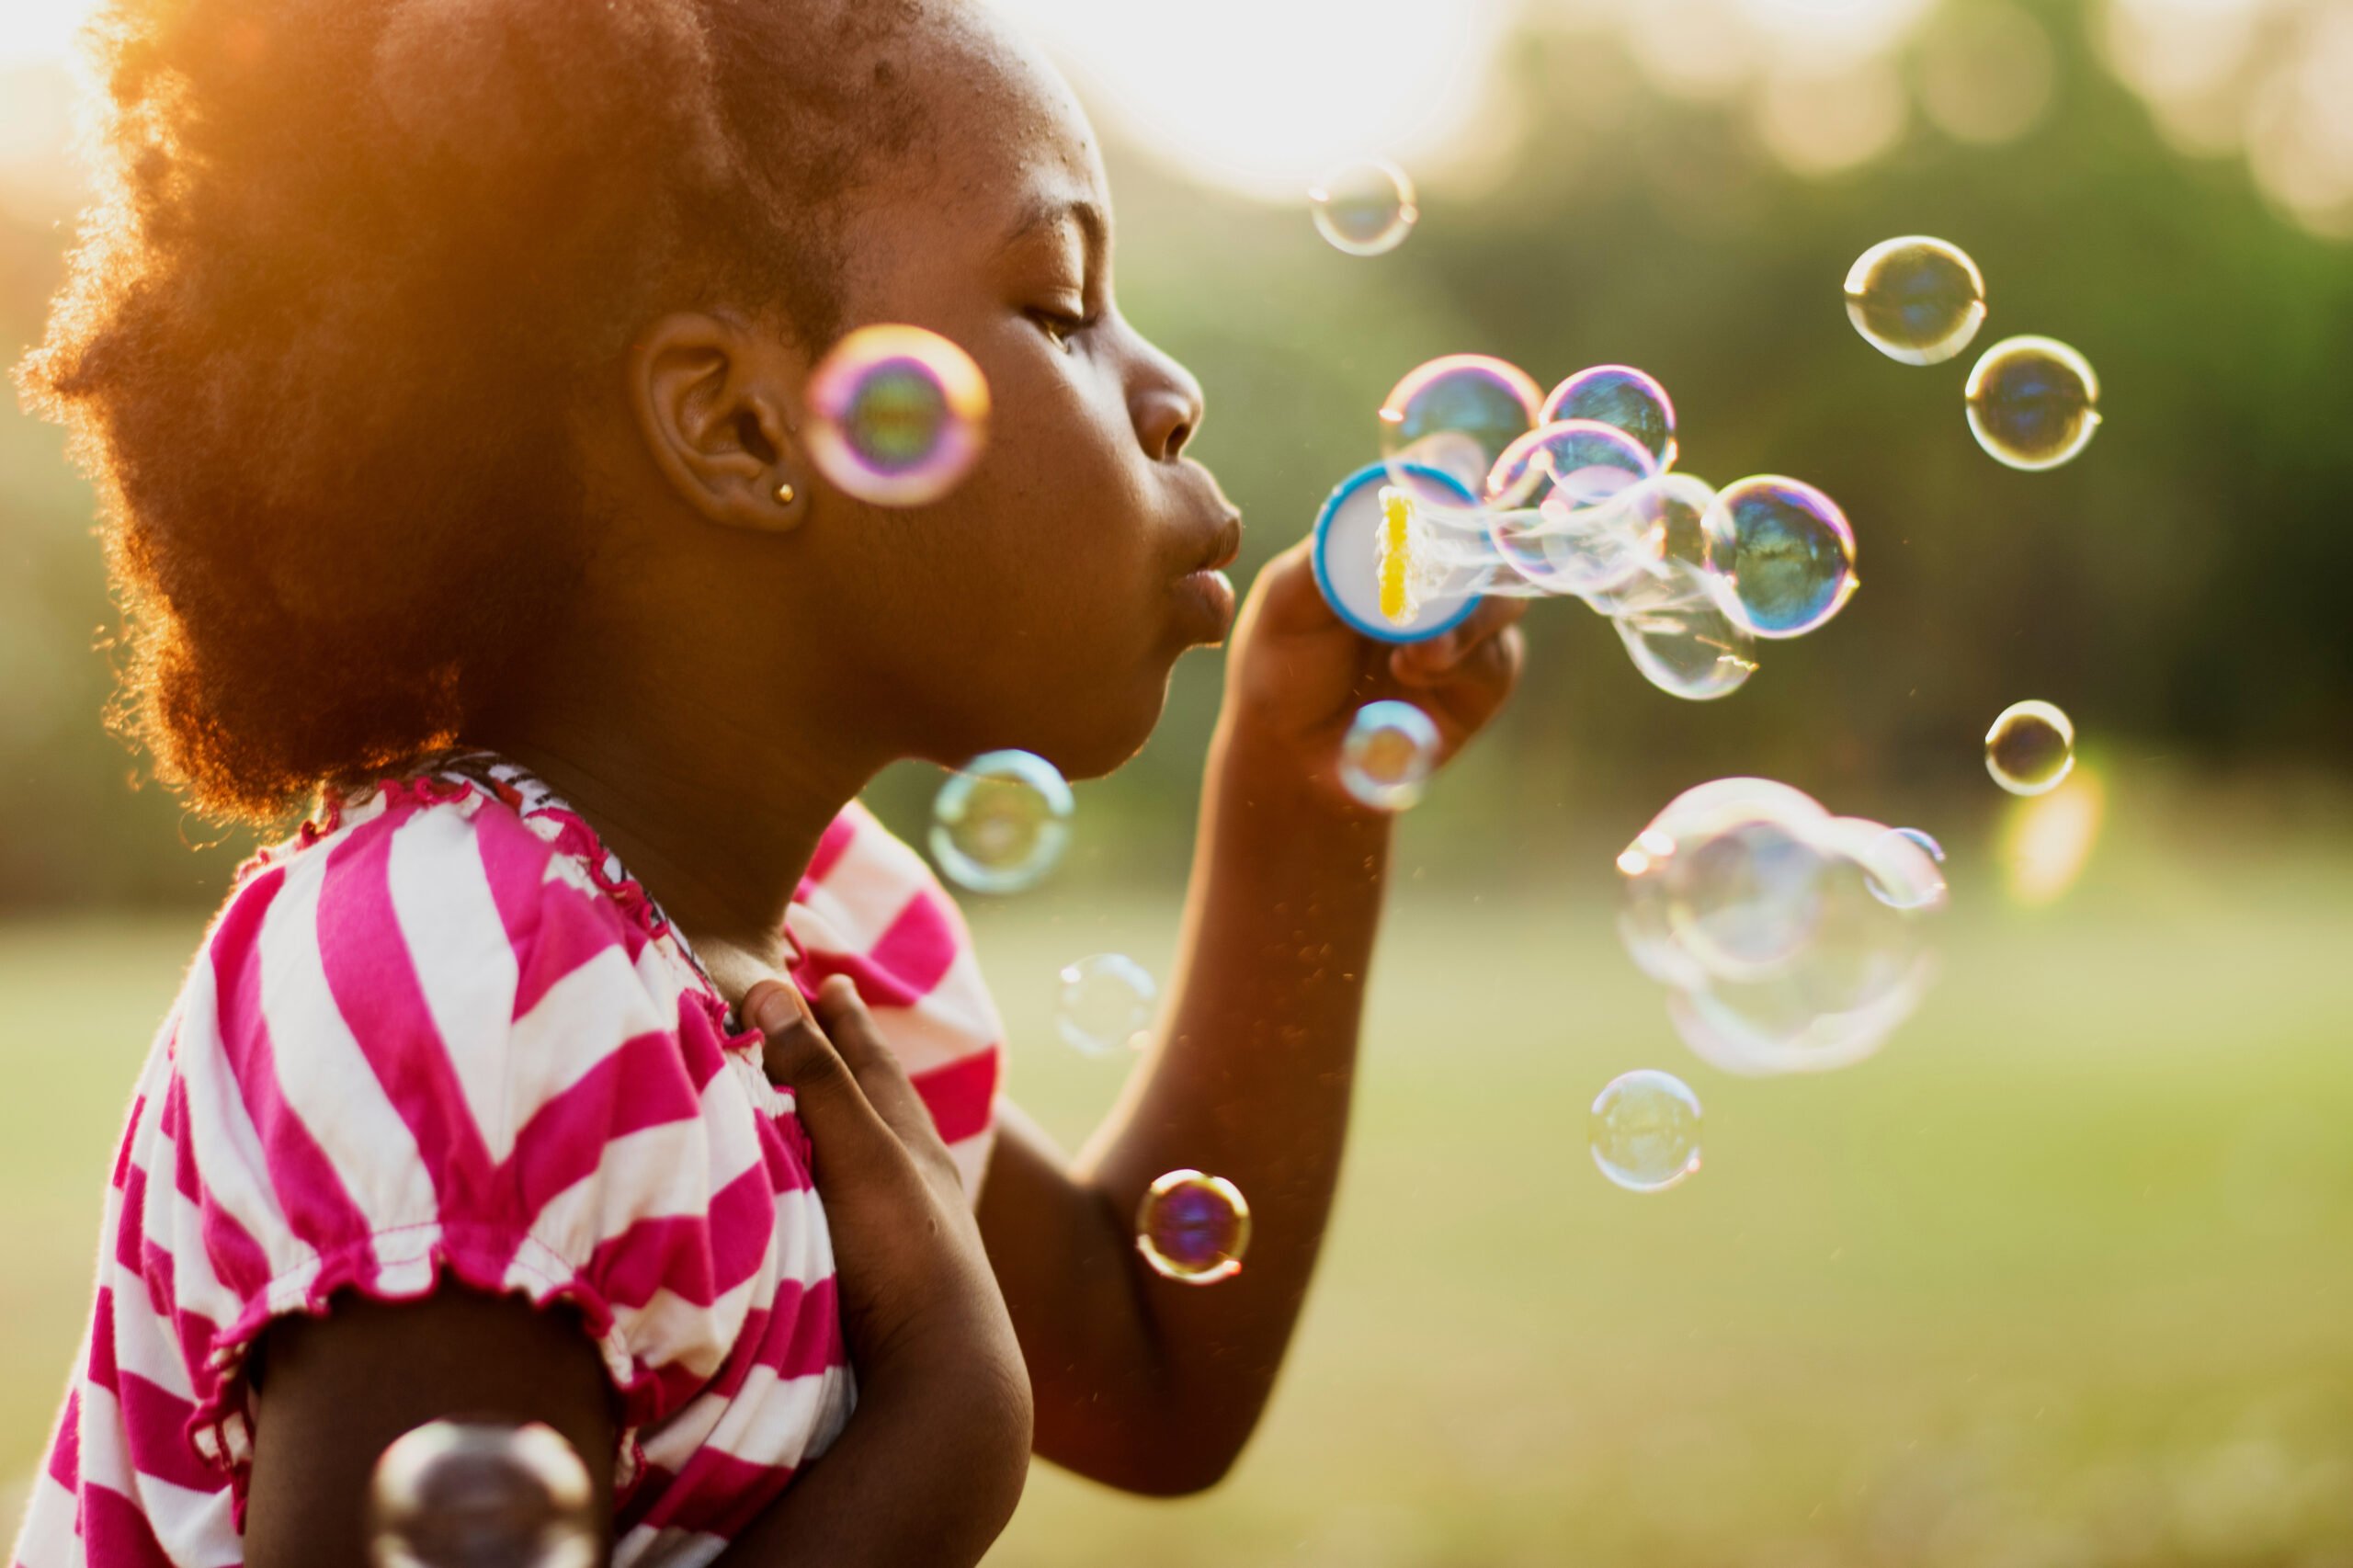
(321,339)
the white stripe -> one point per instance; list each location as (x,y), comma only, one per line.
(144,1342)
(229,1155)
(194,1526)
(772,1419)
(579,1022)
(180,1230)
(324,1078)
(465,964)
(670,1548)
(103,1458)
(48,1538)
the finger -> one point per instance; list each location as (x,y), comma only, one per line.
(885,1082)
(1418,664)
(797,1055)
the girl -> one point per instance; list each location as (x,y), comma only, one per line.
(441,366)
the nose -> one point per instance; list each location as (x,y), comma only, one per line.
(1165,406)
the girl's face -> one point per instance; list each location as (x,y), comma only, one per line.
(1042,603)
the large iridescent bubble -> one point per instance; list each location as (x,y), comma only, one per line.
(1564,518)
(1621,396)
(1672,623)
(897,415)
(1792,940)
(1784,551)
(1916,299)
(1457,415)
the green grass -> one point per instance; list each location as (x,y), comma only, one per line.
(2064,1276)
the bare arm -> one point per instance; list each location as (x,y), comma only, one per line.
(1155,1386)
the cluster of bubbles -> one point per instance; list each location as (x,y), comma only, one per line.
(2033,402)
(1791,940)
(1487,486)
(480,1494)
(897,415)
(1000,825)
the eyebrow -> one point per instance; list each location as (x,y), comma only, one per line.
(1094,224)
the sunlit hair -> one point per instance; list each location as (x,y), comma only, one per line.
(322,337)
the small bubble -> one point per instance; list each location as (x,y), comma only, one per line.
(1388,754)
(2033,403)
(1001,823)
(1915,298)
(2030,747)
(1364,207)
(1645,1130)
(1106,1003)
(1193,1228)
(459,1494)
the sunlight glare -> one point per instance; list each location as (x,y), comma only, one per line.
(1263,97)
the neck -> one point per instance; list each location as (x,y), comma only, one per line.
(716,814)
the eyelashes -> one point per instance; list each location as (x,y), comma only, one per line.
(1060,327)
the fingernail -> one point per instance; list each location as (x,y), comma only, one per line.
(775,1010)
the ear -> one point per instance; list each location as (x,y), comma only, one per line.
(713,399)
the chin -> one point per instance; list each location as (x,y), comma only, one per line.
(1121,727)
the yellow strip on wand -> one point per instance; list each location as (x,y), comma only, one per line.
(1397,516)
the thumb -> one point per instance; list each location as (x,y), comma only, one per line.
(797,1055)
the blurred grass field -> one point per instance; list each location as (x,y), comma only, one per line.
(2064,1277)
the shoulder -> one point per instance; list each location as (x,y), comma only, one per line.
(870,908)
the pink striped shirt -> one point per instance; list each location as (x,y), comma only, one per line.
(441,1034)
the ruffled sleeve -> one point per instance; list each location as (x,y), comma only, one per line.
(429,1047)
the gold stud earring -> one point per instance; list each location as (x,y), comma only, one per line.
(784,494)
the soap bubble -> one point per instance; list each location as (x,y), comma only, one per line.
(1792,940)
(1679,503)
(1675,629)
(1365,208)
(2030,747)
(1193,1228)
(1622,397)
(474,1495)
(1915,298)
(1645,1130)
(2033,401)
(1001,821)
(1106,1003)
(1388,754)
(1579,462)
(1784,553)
(897,415)
(1915,897)
(1565,520)
(1457,415)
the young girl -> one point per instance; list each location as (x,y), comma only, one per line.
(441,365)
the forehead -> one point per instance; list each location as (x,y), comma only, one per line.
(1003,138)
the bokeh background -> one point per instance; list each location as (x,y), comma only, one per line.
(2065,1275)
